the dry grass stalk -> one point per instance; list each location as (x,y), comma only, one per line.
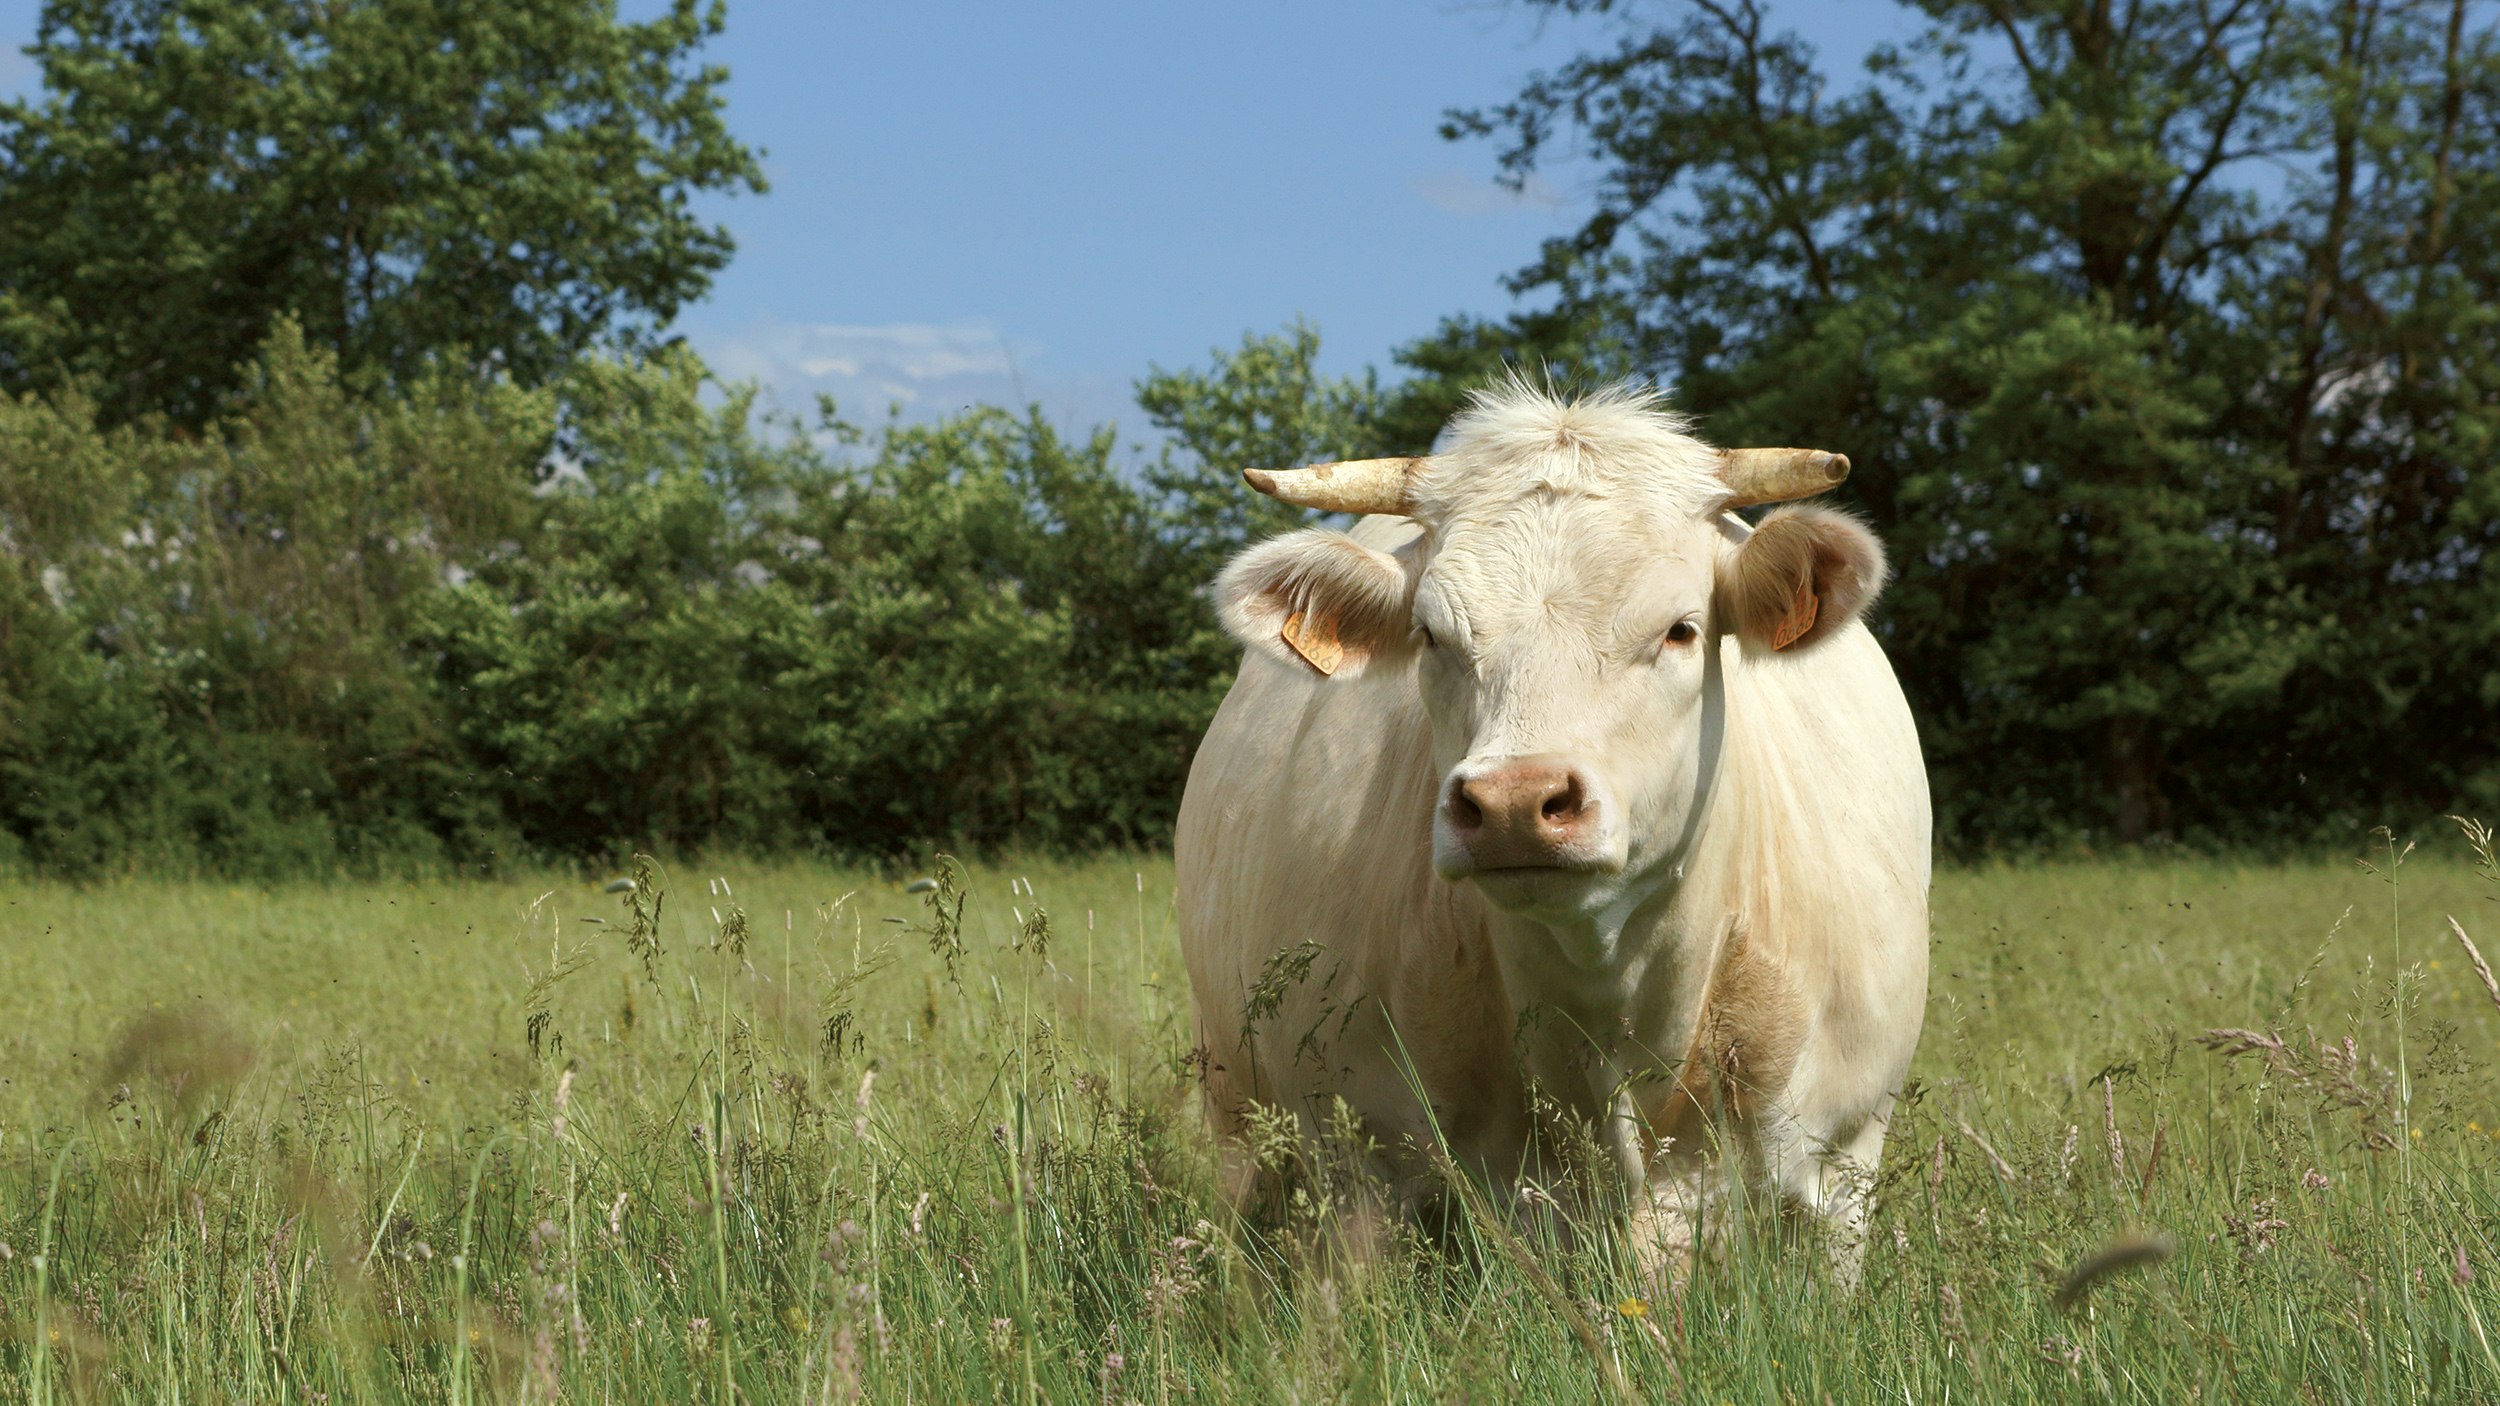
(2474,954)
(2004,1172)
(1957,1330)
(2152,1161)
(2109,1121)
(2338,1072)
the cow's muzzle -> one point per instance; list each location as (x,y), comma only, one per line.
(1525,814)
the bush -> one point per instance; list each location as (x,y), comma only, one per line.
(464,623)
(199,666)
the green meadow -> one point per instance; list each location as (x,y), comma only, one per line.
(802,1135)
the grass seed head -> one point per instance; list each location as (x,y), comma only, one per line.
(2133,1252)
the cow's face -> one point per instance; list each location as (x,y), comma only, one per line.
(1564,624)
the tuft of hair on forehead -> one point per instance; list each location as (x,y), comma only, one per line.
(1518,439)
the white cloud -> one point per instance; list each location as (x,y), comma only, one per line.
(866,369)
(904,353)
(925,370)
(1459,193)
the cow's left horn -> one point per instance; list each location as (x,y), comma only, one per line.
(1353,486)
(1778,475)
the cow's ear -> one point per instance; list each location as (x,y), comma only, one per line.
(1802,576)
(1319,600)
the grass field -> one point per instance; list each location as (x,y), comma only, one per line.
(459,1141)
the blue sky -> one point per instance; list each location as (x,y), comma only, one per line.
(1035,203)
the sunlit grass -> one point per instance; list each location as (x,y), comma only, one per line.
(304,1147)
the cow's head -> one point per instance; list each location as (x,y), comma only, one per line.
(1564,610)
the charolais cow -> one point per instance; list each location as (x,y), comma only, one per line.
(1554,777)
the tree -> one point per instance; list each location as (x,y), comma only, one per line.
(203,634)
(1265,406)
(402,177)
(2159,332)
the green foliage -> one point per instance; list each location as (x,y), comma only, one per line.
(2161,342)
(1567,345)
(967,638)
(198,634)
(1263,407)
(464,622)
(402,177)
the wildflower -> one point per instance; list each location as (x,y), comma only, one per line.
(1633,1308)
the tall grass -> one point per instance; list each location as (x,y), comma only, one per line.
(791,1134)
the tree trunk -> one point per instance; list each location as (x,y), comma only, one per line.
(2134,762)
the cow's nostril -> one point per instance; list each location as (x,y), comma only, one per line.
(1565,804)
(1464,812)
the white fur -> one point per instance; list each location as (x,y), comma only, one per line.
(1758,876)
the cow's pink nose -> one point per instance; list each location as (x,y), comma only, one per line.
(1526,814)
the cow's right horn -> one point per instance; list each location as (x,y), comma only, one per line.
(1778,475)
(1352,486)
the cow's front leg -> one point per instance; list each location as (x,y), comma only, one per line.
(1826,1179)
(1662,1191)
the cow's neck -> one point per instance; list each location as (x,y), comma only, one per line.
(1613,999)
(1594,969)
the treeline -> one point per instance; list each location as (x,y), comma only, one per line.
(473,623)
(2163,336)
(357,516)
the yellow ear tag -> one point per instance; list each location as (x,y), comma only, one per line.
(1315,641)
(1800,616)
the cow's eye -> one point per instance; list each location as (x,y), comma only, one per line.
(1683,632)
(1423,636)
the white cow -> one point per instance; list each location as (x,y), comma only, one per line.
(1576,783)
